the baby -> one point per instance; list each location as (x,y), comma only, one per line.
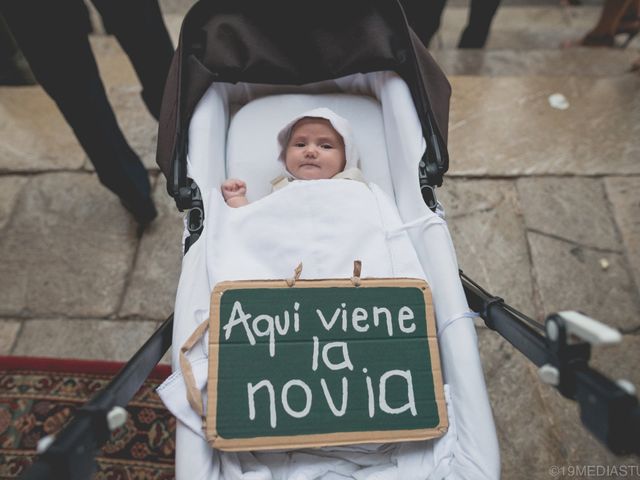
(315,145)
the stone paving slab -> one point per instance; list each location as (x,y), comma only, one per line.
(67,250)
(489,236)
(572,232)
(504,126)
(176,6)
(166,359)
(513,28)
(173,21)
(579,62)
(624,195)
(571,277)
(154,281)
(619,361)
(9,330)
(115,340)
(572,208)
(10,187)
(528,441)
(34,134)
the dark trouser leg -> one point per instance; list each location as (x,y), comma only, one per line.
(610,15)
(53,38)
(424,17)
(477,30)
(140,29)
(14,69)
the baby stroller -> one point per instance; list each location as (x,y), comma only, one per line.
(241,68)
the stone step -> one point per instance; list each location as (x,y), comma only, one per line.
(34,135)
(84,338)
(506,126)
(578,62)
(499,126)
(524,27)
(68,248)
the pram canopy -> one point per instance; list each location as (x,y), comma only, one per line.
(272,43)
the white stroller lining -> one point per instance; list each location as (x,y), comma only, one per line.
(350,220)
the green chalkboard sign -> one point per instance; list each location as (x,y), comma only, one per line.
(323,362)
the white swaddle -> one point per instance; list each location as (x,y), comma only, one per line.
(325,224)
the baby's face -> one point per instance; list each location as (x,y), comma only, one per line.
(315,150)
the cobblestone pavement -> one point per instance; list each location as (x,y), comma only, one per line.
(543,206)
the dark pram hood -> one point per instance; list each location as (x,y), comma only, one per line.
(290,42)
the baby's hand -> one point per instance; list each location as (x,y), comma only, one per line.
(234,192)
(233,188)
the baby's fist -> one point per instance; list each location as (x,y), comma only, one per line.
(233,187)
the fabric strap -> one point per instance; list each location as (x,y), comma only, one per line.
(194,396)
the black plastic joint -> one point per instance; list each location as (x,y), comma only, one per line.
(195,216)
(183,199)
(429,197)
(487,307)
(195,220)
(426,178)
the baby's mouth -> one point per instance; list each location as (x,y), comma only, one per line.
(309,164)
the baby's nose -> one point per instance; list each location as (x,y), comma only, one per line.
(311,151)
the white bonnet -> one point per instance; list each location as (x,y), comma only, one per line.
(341,126)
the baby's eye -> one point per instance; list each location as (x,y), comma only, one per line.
(326,146)
(299,144)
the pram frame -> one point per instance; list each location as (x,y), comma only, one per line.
(614,416)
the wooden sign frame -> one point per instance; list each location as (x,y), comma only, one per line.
(321,439)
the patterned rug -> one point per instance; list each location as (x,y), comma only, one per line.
(38,396)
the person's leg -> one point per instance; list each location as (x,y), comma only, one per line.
(633,9)
(140,29)
(14,69)
(610,16)
(424,17)
(630,21)
(62,62)
(481,15)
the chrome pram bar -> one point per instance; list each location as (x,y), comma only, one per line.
(608,409)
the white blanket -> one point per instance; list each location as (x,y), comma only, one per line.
(326,225)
